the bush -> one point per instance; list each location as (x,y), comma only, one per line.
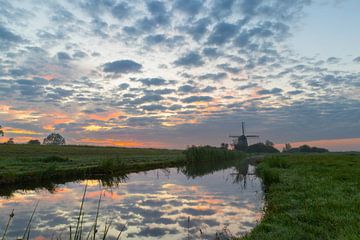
(261,148)
(34,142)
(208,153)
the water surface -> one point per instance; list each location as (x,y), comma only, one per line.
(155,204)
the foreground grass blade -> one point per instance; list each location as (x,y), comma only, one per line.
(107,227)
(97,215)
(8,224)
(122,229)
(90,232)
(27,230)
(76,236)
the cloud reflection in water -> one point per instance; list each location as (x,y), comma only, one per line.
(154,204)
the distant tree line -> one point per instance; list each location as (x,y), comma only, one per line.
(303,149)
(52,139)
(268,147)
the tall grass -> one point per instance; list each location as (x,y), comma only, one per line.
(79,233)
(208,153)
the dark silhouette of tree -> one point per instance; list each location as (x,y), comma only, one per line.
(10,141)
(261,148)
(224,146)
(1,132)
(54,139)
(269,143)
(308,149)
(287,147)
(34,142)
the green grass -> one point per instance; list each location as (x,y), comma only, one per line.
(313,196)
(21,165)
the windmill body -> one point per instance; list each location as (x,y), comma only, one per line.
(241,142)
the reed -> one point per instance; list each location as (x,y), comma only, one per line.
(79,233)
(209,153)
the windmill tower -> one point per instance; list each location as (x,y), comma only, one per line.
(241,142)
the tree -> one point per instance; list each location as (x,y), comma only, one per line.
(224,146)
(34,142)
(269,143)
(261,148)
(1,131)
(287,147)
(54,139)
(10,141)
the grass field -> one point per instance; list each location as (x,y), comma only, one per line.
(313,196)
(24,164)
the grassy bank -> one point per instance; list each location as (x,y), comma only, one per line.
(310,197)
(22,165)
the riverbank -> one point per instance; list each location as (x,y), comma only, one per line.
(27,166)
(310,196)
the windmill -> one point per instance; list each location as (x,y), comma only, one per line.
(241,142)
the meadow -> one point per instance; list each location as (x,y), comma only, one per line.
(33,165)
(310,196)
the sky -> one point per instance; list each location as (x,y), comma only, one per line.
(168,74)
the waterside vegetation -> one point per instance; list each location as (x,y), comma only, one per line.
(310,196)
(28,166)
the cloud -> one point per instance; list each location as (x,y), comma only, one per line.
(121,10)
(189,7)
(153,81)
(124,86)
(122,66)
(357,59)
(228,68)
(7,35)
(154,107)
(187,88)
(148,98)
(333,60)
(163,39)
(62,15)
(142,121)
(193,99)
(208,89)
(79,54)
(222,8)
(223,32)
(199,28)
(213,76)
(268,92)
(247,86)
(211,53)
(8,38)
(155,39)
(63,56)
(156,7)
(191,59)
(295,92)
(19,72)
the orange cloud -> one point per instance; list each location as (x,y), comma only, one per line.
(17,114)
(20,131)
(111,142)
(95,128)
(48,77)
(54,118)
(105,116)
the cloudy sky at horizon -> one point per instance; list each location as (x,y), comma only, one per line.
(163,73)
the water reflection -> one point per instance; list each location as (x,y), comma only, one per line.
(154,204)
